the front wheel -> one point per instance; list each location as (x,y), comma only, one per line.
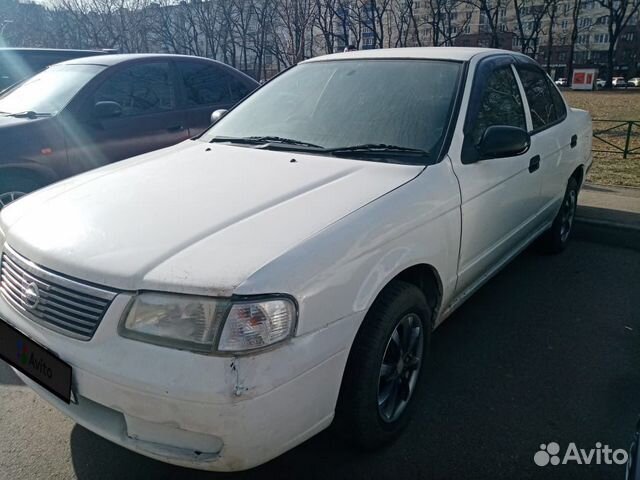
(14,186)
(385,366)
(555,239)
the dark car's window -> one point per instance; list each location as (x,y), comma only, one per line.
(140,89)
(49,91)
(543,108)
(501,103)
(206,84)
(335,104)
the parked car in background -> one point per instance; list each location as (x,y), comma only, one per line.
(601,83)
(618,82)
(635,82)
(88,112)
(17,64)
(562,82)
(216,303)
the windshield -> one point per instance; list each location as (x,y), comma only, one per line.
(347,103)
(49,91)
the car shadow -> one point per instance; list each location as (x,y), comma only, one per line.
(7,377)
(546,351)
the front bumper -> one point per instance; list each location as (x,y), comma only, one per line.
(206,412)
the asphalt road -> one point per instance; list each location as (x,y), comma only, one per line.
(546,351)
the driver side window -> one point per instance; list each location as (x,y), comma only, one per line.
(139,89)
(501,104)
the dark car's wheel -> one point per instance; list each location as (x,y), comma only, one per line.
(557,237)
(382,377)
(14,186)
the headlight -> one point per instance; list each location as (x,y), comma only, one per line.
(196,323)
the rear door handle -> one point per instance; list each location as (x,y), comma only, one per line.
(534,164)
(176,128)
(574,141)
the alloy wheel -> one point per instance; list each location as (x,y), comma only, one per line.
(568,213)
(400,367)
(8,197)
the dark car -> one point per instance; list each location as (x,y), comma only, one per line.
(17,64)
(84,113)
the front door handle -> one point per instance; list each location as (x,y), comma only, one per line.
(176,128)
(534,164)
(574,141)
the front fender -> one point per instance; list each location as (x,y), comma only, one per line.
(341,270)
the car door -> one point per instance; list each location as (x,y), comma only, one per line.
(144,116)
(208,87)
(500,196)
(552,138)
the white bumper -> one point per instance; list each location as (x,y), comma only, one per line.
(199,411)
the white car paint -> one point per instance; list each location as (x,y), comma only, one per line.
(329,232)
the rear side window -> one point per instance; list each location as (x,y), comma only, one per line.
(501,104)
(140,89)
(545,107)
(206,84)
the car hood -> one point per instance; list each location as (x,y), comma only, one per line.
(193,218)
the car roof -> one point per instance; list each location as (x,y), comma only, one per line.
(115,59)
(461,54)
(51,50)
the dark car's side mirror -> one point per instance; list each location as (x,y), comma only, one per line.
(217,115)
(107,109)
(499,141)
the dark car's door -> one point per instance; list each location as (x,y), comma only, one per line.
(206,87)
(148,118)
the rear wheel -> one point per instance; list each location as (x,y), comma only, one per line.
(555,239)
(14,186)
(383,374)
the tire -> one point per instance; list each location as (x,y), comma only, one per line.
(13,186)
(400,308)
(555,239)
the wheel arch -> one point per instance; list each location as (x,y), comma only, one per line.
(42,174)
(578,174)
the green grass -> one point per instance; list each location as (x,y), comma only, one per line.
(612,168)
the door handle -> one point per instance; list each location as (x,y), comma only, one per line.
(534,164)
(574,141)
(176,128)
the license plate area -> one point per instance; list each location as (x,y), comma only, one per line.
(35,361)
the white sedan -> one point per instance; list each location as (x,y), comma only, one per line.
(216,303)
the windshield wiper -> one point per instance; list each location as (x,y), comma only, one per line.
(376,149)
(28,114)
(258,140)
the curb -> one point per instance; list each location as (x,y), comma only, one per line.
(605,232)
(608,224)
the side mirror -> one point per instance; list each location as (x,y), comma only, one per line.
(500,141)
(107,109)
(217,115)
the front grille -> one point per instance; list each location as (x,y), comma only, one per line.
(56,302)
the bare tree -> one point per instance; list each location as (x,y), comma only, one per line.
(529,16)
(620,12)
(491,11)
(296,21)
(552,13)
